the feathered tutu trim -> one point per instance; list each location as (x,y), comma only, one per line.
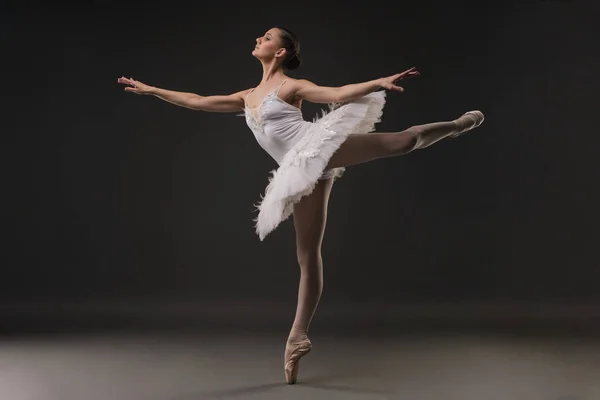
(304,164)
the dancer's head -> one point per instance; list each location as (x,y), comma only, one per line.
(279,44)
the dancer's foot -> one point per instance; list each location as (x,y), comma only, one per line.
(296,348)
(467,121)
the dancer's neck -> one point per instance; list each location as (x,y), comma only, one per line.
(271,71)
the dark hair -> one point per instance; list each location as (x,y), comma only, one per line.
(290,42)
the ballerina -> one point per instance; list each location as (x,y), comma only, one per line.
(310,155)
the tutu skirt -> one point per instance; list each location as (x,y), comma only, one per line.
(305,163)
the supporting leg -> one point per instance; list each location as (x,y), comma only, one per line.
(310,216)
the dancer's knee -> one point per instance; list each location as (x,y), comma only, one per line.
(309,259)
(403,142)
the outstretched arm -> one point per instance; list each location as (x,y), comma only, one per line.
(219,103)
(309,91)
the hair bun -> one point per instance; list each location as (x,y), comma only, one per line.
(292,47)
(294,62)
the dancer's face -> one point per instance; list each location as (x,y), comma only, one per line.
(268,46)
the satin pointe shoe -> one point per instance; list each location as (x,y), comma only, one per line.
(475,119)
(299,350)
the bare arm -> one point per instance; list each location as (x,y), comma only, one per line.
(218,103)
(309,91)
(326,94)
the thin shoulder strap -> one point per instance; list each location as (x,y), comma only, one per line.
(276,91)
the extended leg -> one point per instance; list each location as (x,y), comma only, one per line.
(360,148)
(310,216)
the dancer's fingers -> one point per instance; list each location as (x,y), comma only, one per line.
(125,81)
(411,72)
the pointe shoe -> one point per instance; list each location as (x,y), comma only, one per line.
(476,118)
(300,349)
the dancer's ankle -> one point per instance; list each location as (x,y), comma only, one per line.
(297,334)
(462,123)
(468,121)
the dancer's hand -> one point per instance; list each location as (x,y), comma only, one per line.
(389,83)
(136,87)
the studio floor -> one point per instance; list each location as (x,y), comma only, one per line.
(154,365)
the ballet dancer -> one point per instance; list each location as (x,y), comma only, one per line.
(310,155)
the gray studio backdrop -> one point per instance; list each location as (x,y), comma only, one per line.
(115,197)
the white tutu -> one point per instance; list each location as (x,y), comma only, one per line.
(304,164)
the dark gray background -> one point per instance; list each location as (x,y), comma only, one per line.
(115,197)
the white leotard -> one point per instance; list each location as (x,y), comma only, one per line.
(302,149)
